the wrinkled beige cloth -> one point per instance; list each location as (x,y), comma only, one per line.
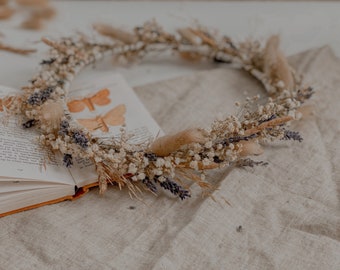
(289,211)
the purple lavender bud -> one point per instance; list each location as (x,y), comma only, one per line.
(67,160)
(151,186)
(304,94)
(80,139)
(48,62)
(29,123)
(34,99)
(273,116)
(64,125)
(235,139)
(292,135)
(38,98)
(150,156)
(217,159)
(45,94)
(174,188)
(247,162)
(60,83)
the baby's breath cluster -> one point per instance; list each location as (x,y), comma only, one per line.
(189,154)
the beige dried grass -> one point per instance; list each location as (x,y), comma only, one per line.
(275,64)
(51,114)
(115,33)
(190,36)
(16,50)
(165,145)
(250,148)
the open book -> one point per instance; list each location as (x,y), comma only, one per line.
(31,176)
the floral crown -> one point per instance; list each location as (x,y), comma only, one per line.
(166,161)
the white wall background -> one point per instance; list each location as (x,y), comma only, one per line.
(302,25)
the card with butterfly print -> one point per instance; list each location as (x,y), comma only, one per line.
(103,104)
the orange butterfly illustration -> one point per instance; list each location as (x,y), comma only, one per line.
(100,98)
(114,117)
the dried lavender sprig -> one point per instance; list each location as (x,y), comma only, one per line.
(64,126)
(80,138)
(45,94)
(235,139)
(68,160)
(48,61)
(273,116)
(292,135)
(29,123)
(34,99)
(150,156)
(247,162)
(174,188)
(38,98)
(151,186)
(304,94)
(222,60)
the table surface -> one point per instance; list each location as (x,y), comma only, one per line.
(301,25)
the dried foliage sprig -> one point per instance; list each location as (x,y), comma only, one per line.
(12,49)
(37,11)
(168,160)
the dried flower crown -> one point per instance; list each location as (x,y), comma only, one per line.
(168,160)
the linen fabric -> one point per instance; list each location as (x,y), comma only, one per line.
(285,215)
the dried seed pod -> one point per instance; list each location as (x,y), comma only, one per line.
(165,145)
(115,33)
(275,63)
(249,148)
(51,114)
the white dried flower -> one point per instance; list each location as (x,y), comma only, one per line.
(178,160)
(159,162)
(194,165)
(141,176)
(132,168)
(197,157)
(208,144)
(206,162)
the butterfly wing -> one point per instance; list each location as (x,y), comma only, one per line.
(75,105)
(90,124)
(115,117)
(101,97)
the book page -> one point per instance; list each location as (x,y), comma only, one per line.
(103,105)
(21,155)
